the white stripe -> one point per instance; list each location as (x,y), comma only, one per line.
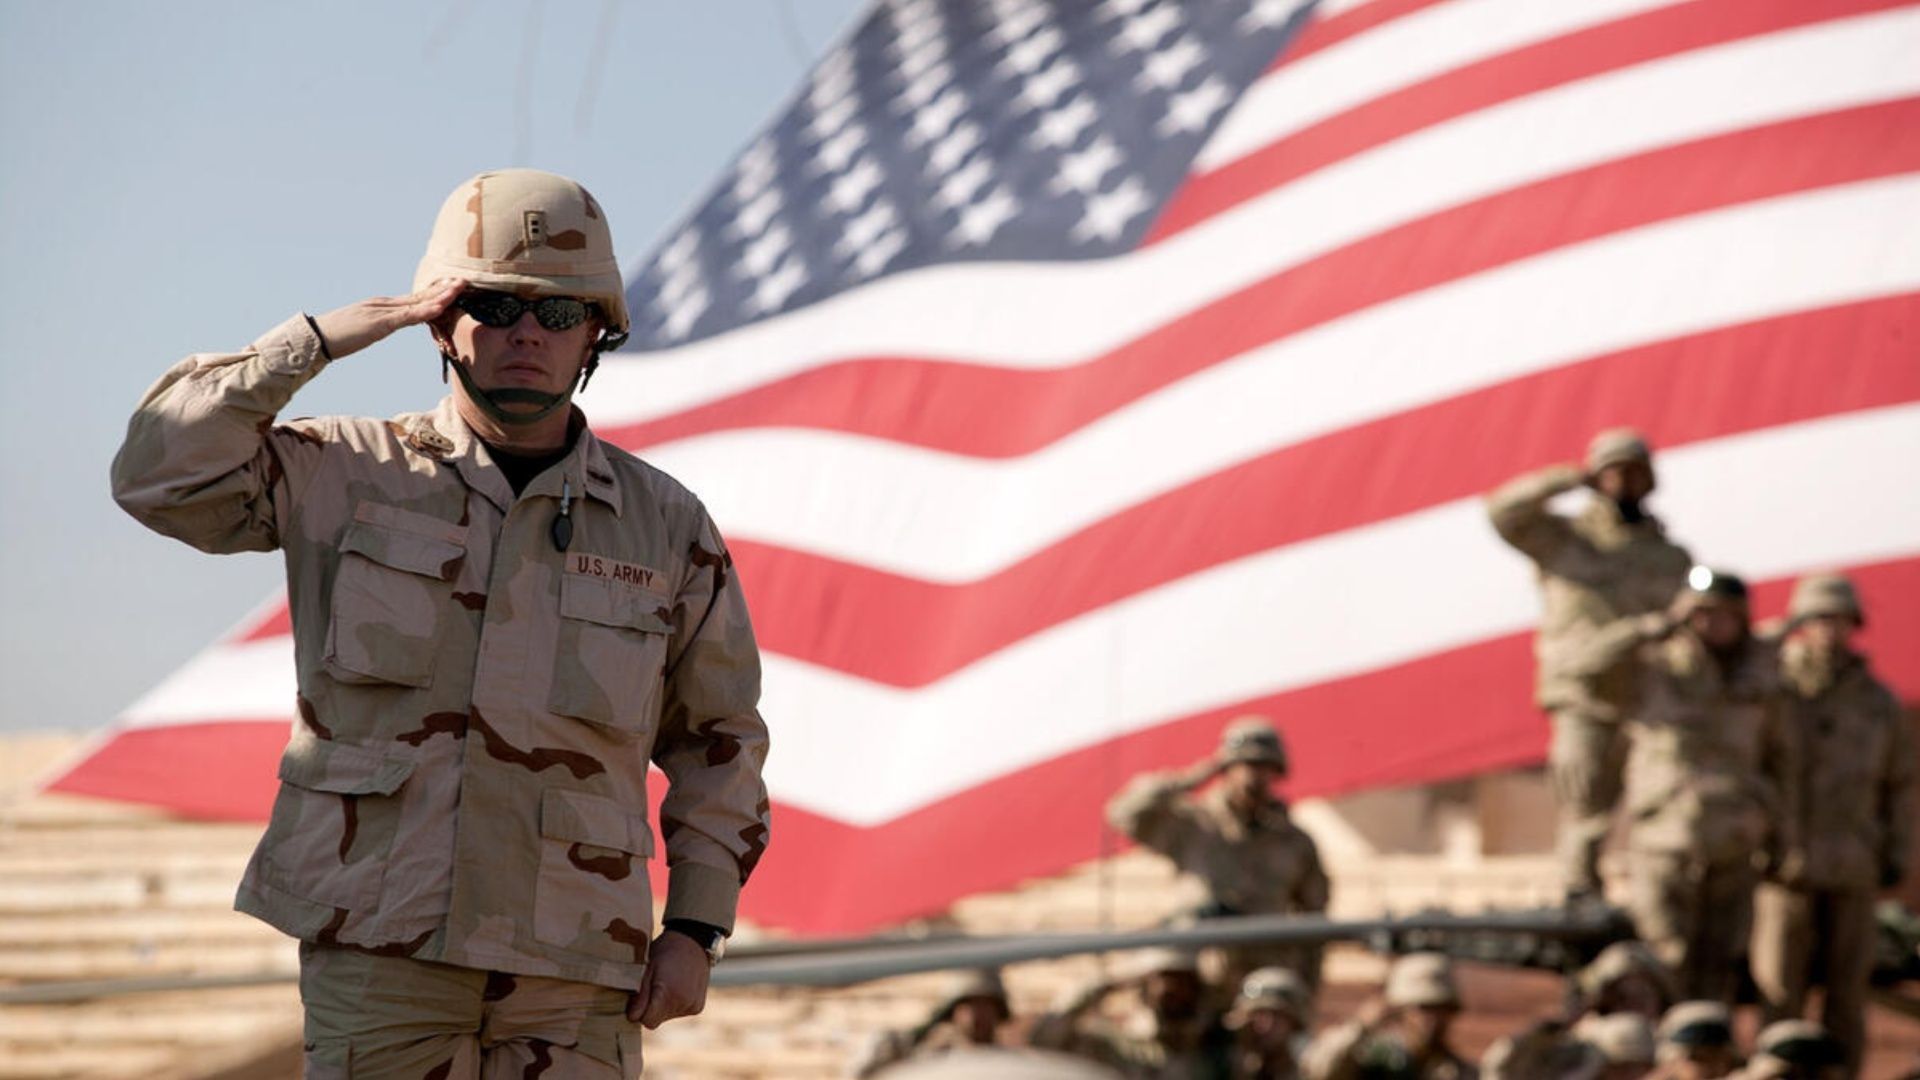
(1395,55)
(1054,315)
(1766,504)
(947,518)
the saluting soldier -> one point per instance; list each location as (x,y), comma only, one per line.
(1856,819)
(499,620)
(969,1014)
(1611,560)
(1170,1033)
(1236,838)
(1404,1033)
(1712,782)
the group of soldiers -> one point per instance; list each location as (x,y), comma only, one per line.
(1768,786)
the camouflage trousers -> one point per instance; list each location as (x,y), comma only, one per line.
(1818,935)
(390,1018)
(1696,916)
(1585,760)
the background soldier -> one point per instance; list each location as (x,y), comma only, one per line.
(1795,1050)
(1612,560)
(1170,1034)
(1856,818)
(1696,1043)
(1236,839)
(1402,1033)
(1269,1022)
(1712,780)
(969,1014)
(498,621)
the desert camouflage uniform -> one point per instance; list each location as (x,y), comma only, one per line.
(1593,568)
(1711,785)
(467,781)
(1856,821)
(1350,1051)
(1265,865)
(1144,1047)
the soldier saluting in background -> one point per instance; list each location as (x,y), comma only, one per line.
(1610,561)
(498,621)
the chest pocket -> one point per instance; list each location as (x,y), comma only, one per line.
(610,663)
(395,578)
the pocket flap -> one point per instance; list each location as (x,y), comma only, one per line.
(612,604)
(580,818)
(428,547)
(341,768)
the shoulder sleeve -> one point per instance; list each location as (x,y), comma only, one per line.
(712,744)
(203,460)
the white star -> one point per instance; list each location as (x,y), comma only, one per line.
(833,117)
(753,216)
(1107,214)
(1266,14)
(679,286)
(980,221)
(757,166)
(849,192)
(676,254)
(774,289)
(1083,171)
(836,152)
(1011,23)
(1145,31)
(1120,9)
(923,57)
(1043,90)
(936,118)
(923,87)
(682,316)
(1167,68)
(830,86)
(1193,110)
(760,256)
(875,256)
(837,64)
(1027,56)
(954,148)
(863,230)
(963,184)
(1061,128)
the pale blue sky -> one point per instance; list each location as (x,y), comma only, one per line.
(178,177)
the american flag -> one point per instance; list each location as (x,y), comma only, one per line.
(1071,376)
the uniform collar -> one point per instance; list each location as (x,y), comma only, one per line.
(444,434)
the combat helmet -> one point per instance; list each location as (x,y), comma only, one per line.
(1617,446)
(1253,739)
(1825,594)
(973,983)
(532,233)
(1697,1023)
(1422,978)
(1795,1047)
(1621,960)
(1275,988)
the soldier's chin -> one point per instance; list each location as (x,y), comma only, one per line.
(517,399)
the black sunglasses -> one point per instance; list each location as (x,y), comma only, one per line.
(498,309)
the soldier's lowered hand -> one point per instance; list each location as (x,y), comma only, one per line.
(677,973)
(349,329)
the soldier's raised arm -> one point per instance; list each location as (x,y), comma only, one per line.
(203,461)
(1152,808)
(1518,510)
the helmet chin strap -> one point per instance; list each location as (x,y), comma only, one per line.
(490,401)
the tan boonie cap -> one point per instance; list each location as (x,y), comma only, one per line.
(1622,1038)
(1275,988)
(1697,1023)
(527,230)
(1617,446)
(1424,978)
(1825,594)
(1620,960)
(1253,739)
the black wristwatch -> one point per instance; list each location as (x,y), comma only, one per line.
(710,938)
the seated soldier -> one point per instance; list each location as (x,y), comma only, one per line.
(1403,1033)
(1169,1033)
(1269,1023)
(1696,1043)
(1623,1042)
(970,1013)
(1796,1050)
(1625,977)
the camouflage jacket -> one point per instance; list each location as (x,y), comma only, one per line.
(1350,1051)
(1593,568)
(1711,763)
(1261,867)
(1142,1047)
(467,780)
(1858,814)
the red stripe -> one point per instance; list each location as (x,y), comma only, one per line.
(1324,34)
(1448,715)
(889,398)
(1490,82)
(1444,716)
(908,632)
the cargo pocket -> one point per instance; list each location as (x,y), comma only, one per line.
(611,658)
(333,822)
(395,576)
(592,896)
